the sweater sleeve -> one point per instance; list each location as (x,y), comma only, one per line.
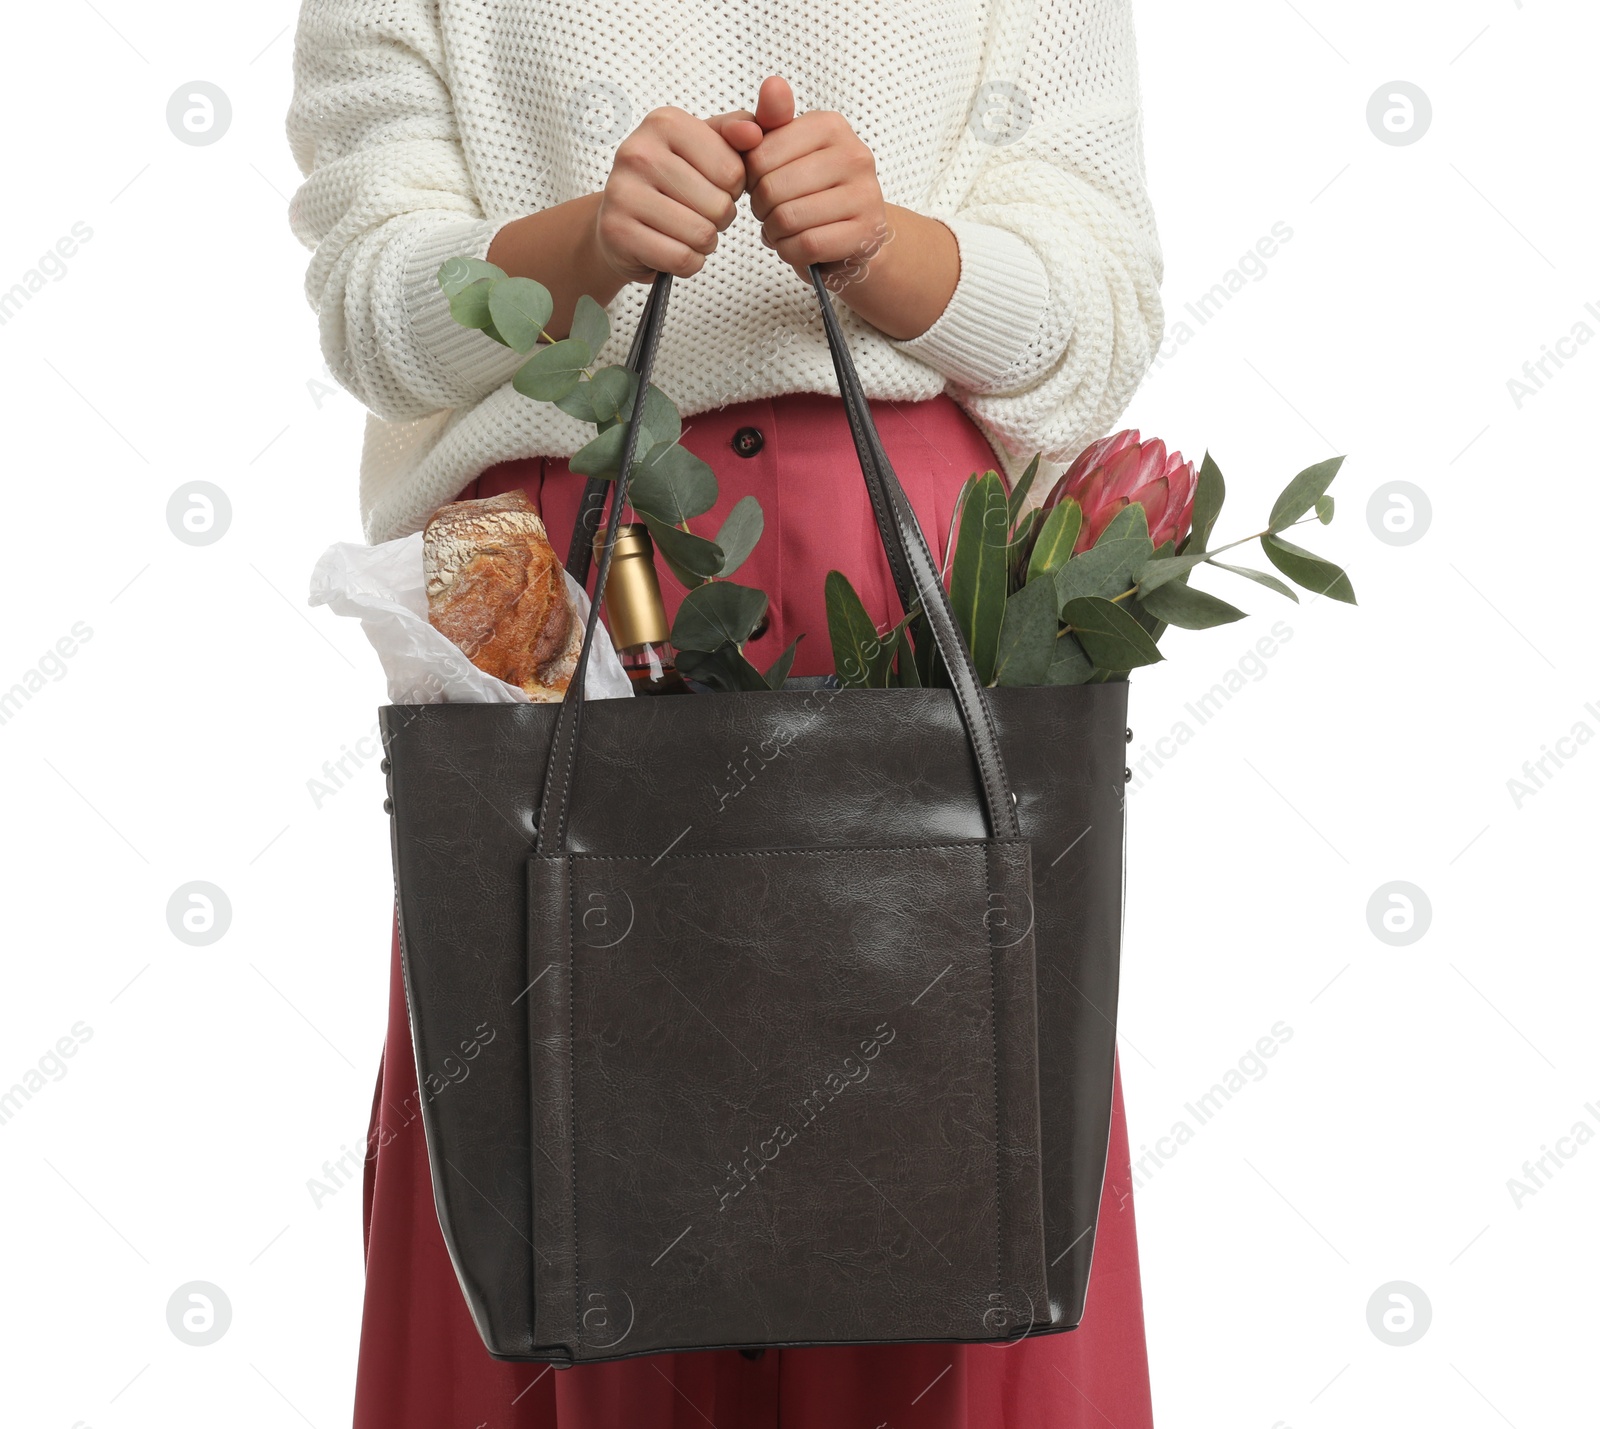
(387,198)
(1057,311)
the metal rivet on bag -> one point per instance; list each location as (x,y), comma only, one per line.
(385,766)
(1127,775)
(1128,738)
(388,806)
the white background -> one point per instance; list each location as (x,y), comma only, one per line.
(1375,746)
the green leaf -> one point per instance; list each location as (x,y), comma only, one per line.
(906,675)
(1058,535)
(778,671)
(1139,613)
(740,531)
(520,308)
(858,652)
(955,522)
(1157,571)
(1209,492)
(612,390)
(1019,492)
(601,455)
(1325,509)
(1028,636)
(1109,566)
(456,274)
(1308,571)
(1111,637)
(553,371)
(723,669)
(693,559)
(590,324)
(1068,665)
(470,307)
(716,614)
(1021,545)
(1259,577)
(661,420)
(672,484)
(1301,494)
(978,577)
(1178,603)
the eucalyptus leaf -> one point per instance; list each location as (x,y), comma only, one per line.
(456,274)
(978,578)
(612,390)
(470,306)
(1156,572)
(1309,571)
(1259,577)
(672,484)
(661,420)
(1111,637)
(579,402)
(693,559)
(778,671)
(553,371)
(1068,664)
(1110,566)
(520,308)
(741,529)
(1325,509)
(1209,492)
(858,653)
(1019,492)
(716,614)
(1052,548)
(1301,494)
(1132,605)
(1028,636)
(1178,603)
(723,669)
(590,324)
(600,455)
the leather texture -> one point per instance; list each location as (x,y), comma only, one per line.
(803,1002)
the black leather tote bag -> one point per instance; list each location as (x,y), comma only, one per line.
(829,1062)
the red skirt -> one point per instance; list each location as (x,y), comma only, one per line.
(422,1365)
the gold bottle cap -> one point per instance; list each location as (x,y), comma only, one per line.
(633,605)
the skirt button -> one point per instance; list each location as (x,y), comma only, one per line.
(747,441)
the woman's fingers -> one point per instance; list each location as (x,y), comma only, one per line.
(784,197)
(775,105)
(674,186)
(739,129)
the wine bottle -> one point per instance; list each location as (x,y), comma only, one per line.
(635,615)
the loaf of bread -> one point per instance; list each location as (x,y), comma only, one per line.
(495,588)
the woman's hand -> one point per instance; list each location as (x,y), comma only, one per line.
(674,186)
(814,186)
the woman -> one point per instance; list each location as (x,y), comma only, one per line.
(968,174)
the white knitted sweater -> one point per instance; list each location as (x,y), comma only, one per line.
(422,126)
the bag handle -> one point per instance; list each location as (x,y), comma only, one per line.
(916,577)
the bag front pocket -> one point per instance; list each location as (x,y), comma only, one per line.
(784,1096)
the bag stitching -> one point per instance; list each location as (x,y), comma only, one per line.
(980,847)
(572,1108)
(994,1061)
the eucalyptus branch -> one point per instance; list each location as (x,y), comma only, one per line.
(1310,516)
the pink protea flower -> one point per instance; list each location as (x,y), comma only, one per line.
(1118,470)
